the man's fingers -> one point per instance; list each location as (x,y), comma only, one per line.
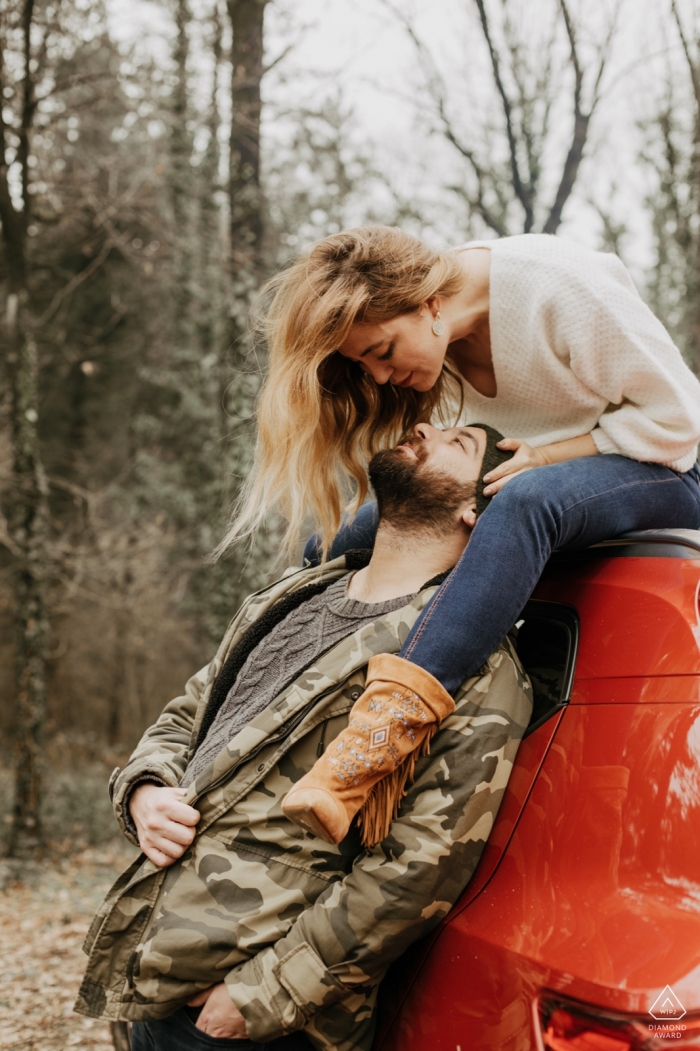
(220,1017)
(171,807)
(160,824)
(165,848)
(170,843)
(158,857)
(173,841)
(149,800)
(180,834)
(165,825)
(184,814)
(201,998)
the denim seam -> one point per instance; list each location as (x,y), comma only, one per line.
(443,590)
(617,489)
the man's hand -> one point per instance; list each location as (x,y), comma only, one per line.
(220,1016)
(164,824)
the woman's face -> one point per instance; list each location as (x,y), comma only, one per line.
(404,351)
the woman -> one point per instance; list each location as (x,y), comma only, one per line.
(548,342)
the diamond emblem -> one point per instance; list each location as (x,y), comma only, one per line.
(379,737)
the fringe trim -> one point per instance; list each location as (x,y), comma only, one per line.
(383,803)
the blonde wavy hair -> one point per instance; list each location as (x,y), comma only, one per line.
(320,418)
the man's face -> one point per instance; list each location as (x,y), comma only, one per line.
(429,481)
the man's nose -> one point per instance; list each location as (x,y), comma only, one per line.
(426,431)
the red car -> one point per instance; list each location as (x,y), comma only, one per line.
(580,930)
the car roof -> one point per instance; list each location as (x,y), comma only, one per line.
(652,543)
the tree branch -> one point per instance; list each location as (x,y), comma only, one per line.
(12,225)
(280,58)
(694,76)
(6,538)
(578,140)
(525,108)
(89,498)
(73,81)
(604,56)
(522,192)
(581,120)
(84,274)
(477,204)
(28,104)
(436,90)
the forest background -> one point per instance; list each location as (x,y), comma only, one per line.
(157,162)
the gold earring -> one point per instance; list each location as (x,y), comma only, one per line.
(438,327)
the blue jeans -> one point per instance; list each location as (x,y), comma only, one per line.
(572,504)
(178,1032)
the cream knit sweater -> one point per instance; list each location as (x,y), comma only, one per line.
(576,350)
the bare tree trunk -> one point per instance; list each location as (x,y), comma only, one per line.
(211,313)
(28,517)
(119,686)
(243,572)
(28,528)
(244,177)
(181,181)
(246,214)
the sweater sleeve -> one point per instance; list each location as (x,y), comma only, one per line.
(399,890)
(622,352)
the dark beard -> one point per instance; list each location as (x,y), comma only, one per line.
(413,498)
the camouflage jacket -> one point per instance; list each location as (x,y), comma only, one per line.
(302,932)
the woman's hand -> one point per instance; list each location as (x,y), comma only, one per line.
(219,1016)
(524,460)
(165,825)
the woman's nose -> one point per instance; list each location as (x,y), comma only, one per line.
(379,372)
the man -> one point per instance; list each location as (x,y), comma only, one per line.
(240,927)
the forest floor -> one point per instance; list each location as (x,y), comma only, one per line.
(45,911)
(46,907)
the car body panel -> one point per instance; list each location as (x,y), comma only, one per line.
(638,615)
(590,882)
(596,895)
(531,755)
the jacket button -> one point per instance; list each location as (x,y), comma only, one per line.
(355,695)
(261,767)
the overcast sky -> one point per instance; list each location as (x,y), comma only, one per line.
(358,48)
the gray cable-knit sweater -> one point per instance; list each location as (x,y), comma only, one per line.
(292,645)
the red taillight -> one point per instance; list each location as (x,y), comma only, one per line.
(569,1026)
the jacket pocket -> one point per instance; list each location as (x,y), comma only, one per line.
(304,975)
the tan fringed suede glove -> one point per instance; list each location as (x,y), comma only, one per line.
(367,767)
